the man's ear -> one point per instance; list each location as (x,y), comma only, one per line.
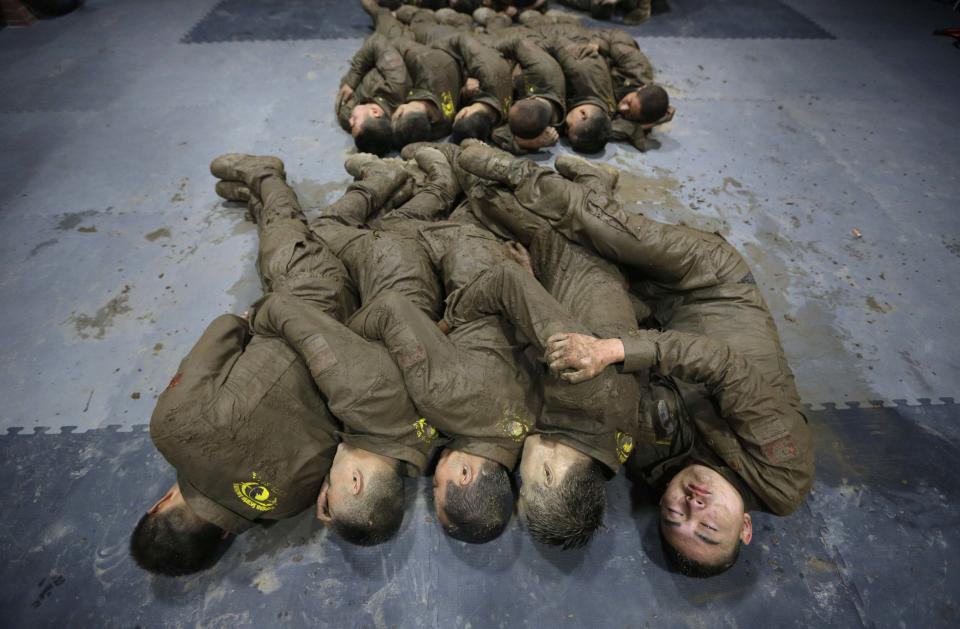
(323,508)
(746,534)
(465,476)
(167,496)
(357,487)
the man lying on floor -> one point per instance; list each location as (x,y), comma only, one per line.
(263,417)
(719,428)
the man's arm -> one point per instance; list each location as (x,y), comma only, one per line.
(366,59)
(510,291)
(361,384)
(485,64)
(632,67)
(426,357)
(770,431)
(629,132)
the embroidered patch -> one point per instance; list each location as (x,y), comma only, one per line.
(515,427)
(624,446)
(256,494)
(425,432)
(446,105)
(783,449)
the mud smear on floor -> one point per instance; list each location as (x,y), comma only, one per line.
(314,195)
(876,306)
(41,246)
(179,197)
(95,326)
(71,220)
(658,195)
(163,232)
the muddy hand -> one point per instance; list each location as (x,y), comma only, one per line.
(579,357)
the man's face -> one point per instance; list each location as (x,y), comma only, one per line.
(631,107)
(701,515)
(544,462)
(361,113)
(345,482)
(577,115)
(455,467)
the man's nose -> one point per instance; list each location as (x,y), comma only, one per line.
(695,501)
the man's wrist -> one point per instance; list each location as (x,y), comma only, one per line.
(613,351)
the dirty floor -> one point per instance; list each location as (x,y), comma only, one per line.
(821,137)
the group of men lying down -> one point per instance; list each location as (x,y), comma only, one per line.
(468,311)
(423,75)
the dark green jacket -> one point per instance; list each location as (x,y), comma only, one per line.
(378,74)
(245,427)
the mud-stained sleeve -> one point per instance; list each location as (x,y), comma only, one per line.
(487,66)
(629,132)
(365,59)
(343,108)
(219,347)
(425,356)
(541,72)
(587,74)
(200,376)
(773,438)
(509,291)
(356,377)
(502,137)
(632,66)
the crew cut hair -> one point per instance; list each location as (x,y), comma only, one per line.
(568,514)
(654,103)
(592,134)
(375,136)
(173,544)
(375,516)
(530,117)
(697,569)
(479,512)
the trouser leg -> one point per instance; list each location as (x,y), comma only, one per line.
(291,258)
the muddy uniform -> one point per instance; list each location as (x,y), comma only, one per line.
(378,74)
(243,422)
(434,73)
(586,70)
(478,61)
(540,76)
(580,292)
(721,391)
(474,385)
(630,70)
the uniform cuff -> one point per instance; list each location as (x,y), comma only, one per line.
(639,350)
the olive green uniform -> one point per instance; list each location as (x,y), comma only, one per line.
(477,60)
(630,70)
(378,74)
(721,390)
(248,421)
(450,377)
(540,76)
(586,70)
(580,293)
(434,73)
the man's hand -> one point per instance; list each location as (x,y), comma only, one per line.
(549,137)
(667,117)
(521,256)
(471,88)
(345,92)
(578,357)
